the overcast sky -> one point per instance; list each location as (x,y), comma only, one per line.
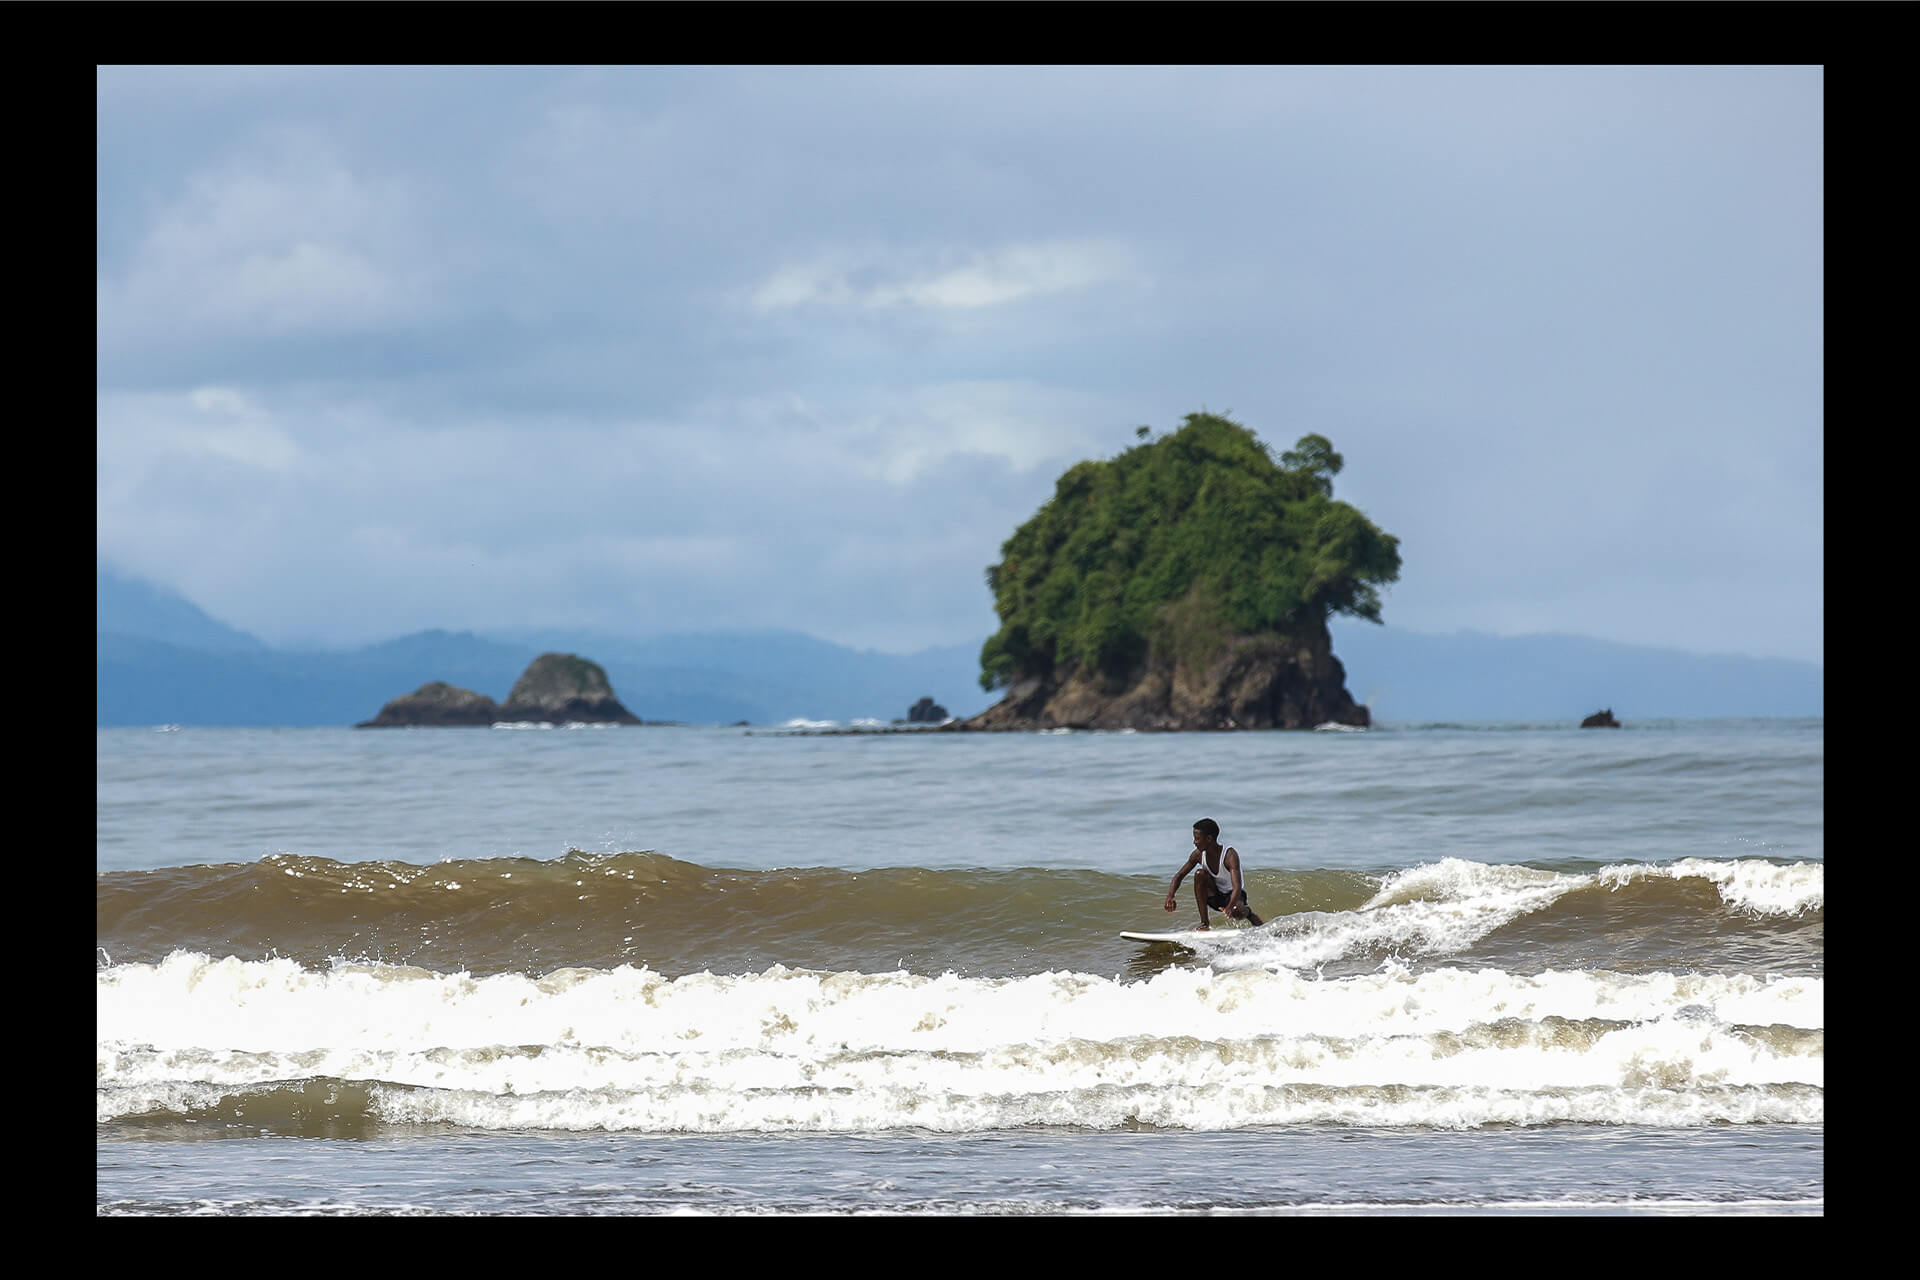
(692,348)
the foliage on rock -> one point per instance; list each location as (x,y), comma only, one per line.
(1176,545)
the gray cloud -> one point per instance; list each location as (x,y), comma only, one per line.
(387,348)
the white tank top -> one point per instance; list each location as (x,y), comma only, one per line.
(1220,876)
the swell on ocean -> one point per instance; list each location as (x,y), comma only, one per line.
(1519,969)
(494,915)
(637,992)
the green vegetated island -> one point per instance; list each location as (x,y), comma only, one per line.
(1184,584)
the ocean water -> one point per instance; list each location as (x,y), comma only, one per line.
(1506,969)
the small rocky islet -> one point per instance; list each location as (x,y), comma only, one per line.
(556,688)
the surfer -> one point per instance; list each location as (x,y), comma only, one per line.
(1218,884)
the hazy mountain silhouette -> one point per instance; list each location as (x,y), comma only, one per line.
(132,607)
(1412,677)
(162,660)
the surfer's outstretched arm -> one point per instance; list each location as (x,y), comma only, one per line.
(1178,876)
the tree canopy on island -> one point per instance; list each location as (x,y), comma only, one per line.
(1175,544)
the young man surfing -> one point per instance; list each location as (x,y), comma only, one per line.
(1218,883)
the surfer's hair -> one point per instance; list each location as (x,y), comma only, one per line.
(1209,826)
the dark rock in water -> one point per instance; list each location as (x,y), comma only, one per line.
(927,711)
(1263,681)
(438,703)
(1600,720)
(561,688)
(556,688)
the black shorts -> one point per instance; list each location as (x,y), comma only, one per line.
(1218,900)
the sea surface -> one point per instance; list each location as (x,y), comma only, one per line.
(1506,969)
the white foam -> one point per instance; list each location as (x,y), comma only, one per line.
(1748,884)
(794,1049)
(1443,908)
(1436,909)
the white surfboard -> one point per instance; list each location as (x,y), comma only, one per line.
(1185,938)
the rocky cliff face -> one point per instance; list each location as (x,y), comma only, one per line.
(558,688)
(1265,681)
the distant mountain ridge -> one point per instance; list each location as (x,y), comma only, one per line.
(161,660)
(129,606)
(1406,677)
